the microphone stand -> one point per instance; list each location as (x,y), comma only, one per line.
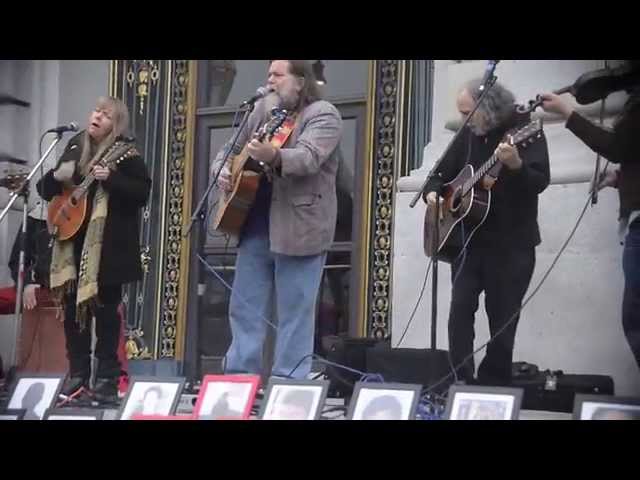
(595,181)
(23,192)
(438,360)
(198,213)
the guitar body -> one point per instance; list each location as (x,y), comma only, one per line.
(234,206)
(66,214)
(460,217)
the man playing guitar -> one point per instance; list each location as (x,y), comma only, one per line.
(499,257)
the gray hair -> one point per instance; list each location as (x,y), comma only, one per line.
(497,105)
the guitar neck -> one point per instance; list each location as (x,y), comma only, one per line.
(481,172)
(85,184)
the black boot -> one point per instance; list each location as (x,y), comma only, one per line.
(73,385)
(106,390)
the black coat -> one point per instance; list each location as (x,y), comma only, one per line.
(620,145)
(128,188)
(513,215)
(37,253)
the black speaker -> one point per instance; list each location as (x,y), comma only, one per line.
(350,352)
(411,365)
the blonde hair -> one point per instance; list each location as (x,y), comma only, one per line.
(120,123)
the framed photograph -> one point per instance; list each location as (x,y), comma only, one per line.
(605,407)
(294,399)
(72,414)
(384,401)
(12,414)
(151,396)
(469,402)
(139,416)
(35,393)
(226,396)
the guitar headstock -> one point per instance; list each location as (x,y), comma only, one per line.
(527,134)
(278,117)
(13,181)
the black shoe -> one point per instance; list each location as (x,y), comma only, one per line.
(73,385)
(106,390)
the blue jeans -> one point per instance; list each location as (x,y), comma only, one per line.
(260,278)
(631,298)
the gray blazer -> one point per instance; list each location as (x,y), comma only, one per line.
(302,219)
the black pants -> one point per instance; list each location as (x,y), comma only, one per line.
(504,275)
(107,333)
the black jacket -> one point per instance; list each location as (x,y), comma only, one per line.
(37,253)
(620,145)
(513,215)
(128,188)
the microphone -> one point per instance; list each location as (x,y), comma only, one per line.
(488,73)
(6,99)
(260,93)
(72,127)
(8,158)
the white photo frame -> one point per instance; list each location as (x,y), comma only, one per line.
(35,393)
(469,402)
(605,407)
(384,401)
(294,399)
(151,396)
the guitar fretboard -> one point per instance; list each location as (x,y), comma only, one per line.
(481,172)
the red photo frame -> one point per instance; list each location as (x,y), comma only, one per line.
(226,394)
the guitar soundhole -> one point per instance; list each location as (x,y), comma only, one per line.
(456,200)
(73,202)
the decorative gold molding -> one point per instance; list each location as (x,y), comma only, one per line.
(366,187)
(170,86)
(387,134)
(175,258)
(186,208)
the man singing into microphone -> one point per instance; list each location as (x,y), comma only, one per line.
(620,145)
(500,256)
(282,247)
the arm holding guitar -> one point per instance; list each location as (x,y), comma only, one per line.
(533,174)
(313,147)
(130,182)
(48,187)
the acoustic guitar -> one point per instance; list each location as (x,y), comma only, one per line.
(67,211)
(233,206)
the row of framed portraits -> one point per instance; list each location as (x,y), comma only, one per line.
(232,397)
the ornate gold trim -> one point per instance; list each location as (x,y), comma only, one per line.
(173,246)
(366,188)
(168,139)
(388,123)
(185,250)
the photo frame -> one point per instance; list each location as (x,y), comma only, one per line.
(73,414)
(474,402)
(226,397)
(12,414)
(151,396)
(139,416)
(35,393)
(294,399)
(384,401)
(605,407)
